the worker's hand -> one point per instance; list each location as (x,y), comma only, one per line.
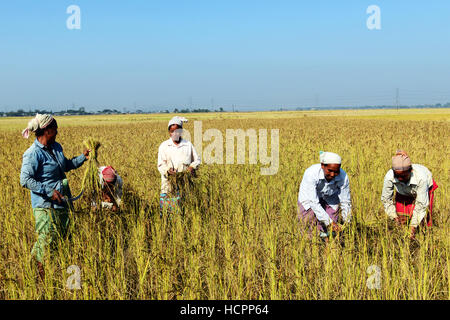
(335,227)
(190,169)
(86,153)
(401,220)
(413,233)
(57,196)
(106,197)
(171,171)
(114,208)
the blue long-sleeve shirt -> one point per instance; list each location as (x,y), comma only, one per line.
(41,173)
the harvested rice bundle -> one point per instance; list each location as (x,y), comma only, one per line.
(182,183)
(91,181)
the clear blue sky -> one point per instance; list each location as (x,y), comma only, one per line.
(254,54)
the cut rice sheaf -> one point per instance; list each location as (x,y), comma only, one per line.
(91,181)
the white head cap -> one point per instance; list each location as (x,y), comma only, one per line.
(329,158)
(177,120)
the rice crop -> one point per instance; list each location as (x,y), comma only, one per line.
(238,237)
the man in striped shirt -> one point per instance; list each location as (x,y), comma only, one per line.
(414,186)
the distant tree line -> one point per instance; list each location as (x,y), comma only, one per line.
(23,113)
(82,111)
(196,110)
(437,105)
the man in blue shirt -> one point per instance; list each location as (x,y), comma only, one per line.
(43,173)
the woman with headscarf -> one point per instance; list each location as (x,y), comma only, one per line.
(175,155)
(324,189)
(43,173)
(414,186)
(111,185)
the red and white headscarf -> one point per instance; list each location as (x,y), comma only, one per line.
(109,174)
(41,121)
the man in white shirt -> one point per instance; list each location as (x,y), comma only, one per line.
(111,184)
(414,186)
(175,155)
(324,189)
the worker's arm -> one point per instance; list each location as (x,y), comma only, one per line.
(421,204)
(163,165)
(307,196)
(73,163)
(345,200)
(30,165)
(387,195)
(118,189)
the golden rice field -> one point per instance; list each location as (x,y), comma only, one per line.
(239,238)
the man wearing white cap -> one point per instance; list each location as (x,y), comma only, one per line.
(175,155)
(414,186)
(324,189)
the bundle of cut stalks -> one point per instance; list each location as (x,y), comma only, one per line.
(182,183)
(91,181)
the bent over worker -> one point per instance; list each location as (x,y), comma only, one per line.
(175,155)
(43,173)
(111,185)
(325,189)
(414,192)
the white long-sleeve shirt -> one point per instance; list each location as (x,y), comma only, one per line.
(335,193)
(417,187)
(178,157)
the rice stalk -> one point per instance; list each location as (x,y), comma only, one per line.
(184,184)
(91,180)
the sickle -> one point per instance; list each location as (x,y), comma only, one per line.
(74,198)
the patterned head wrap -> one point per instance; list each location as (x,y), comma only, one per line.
(109,174)
(41,121)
